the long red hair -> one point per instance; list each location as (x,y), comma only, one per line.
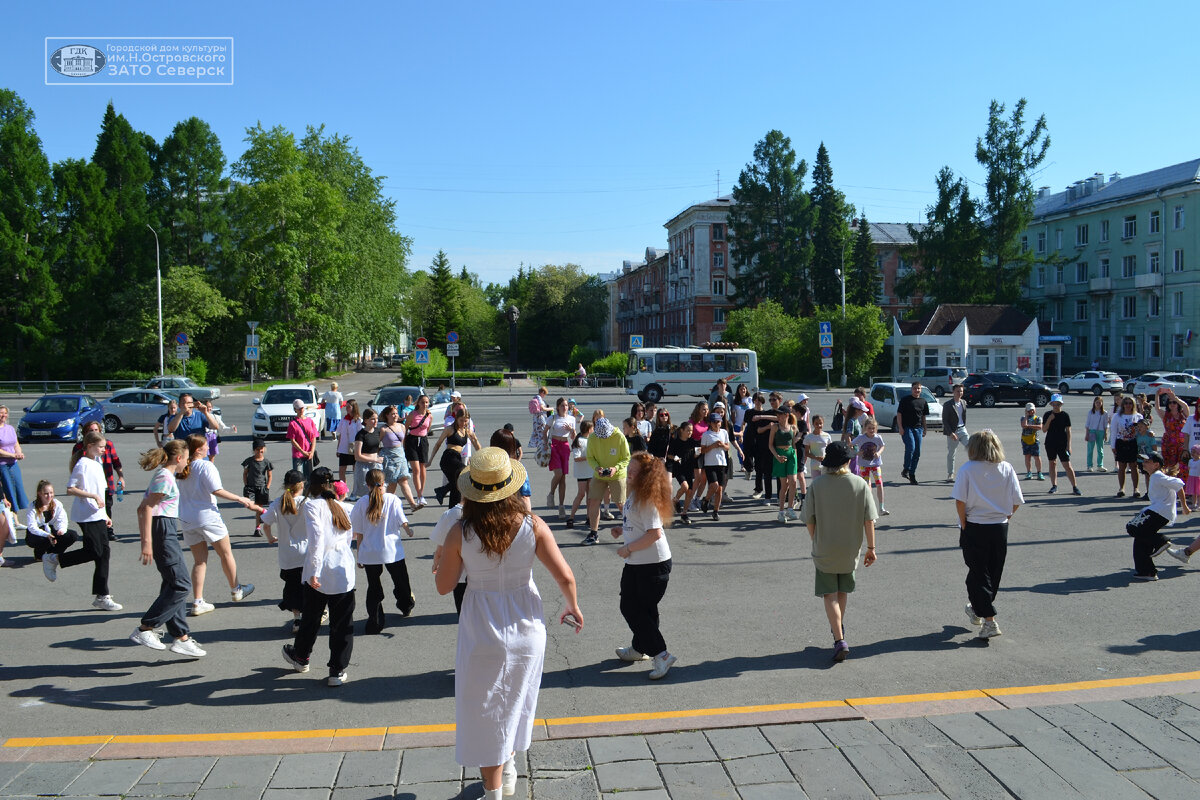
(652,485)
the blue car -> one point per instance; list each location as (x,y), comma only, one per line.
(59,418)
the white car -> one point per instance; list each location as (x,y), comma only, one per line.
(1093,381)
(1185,386)
(885,397)
(275,409)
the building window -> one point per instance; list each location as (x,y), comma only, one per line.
(1154,265)
(1105,310)
(1024,244)
(1081,272)
(1177,345)
(1177,264)
(1103,350)
(1039,277)
(1058,311)
(1155,305)
(1129,228)
(982,359)
(718,315)
(1179,218)
(718,261)
(718,233)
(719,287)
(931,356)
(1128,307)
(1128,266)
(1081,307)
(1058,240)
(1058,274)
(1081,235)
(1155,222)
(1104,230)
(1041,240)
(1128,346)
(1104,267)
(1081,346)
(1154,346)
(1176,304)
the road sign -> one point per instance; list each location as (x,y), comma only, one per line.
(421,356)
(181,352)
(826,340)
(252,353)
(252,340)
(452,337)
(422,343)
(826,363)
(181,338)
(826,352)
(452,350)
(253,324)
(824,327)
(635,341)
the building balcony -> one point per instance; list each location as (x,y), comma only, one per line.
(1056,290)
(1151,280)
(1100,286)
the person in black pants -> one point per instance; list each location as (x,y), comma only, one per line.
(762,419)
(455,438)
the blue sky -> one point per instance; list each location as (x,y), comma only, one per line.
(567,132)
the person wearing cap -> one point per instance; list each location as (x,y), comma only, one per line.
(1057,427)
(283,523)
(954,427)
(840,513)
(861,395)
(714,449)
(608,456)
(502,630)
(910,415)
(328,577)
(1162,490)
(986,494)
(302,433)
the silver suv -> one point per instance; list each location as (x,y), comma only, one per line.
(940,379)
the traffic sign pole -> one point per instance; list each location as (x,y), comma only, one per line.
(825,342)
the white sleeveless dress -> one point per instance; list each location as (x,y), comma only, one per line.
(501,647)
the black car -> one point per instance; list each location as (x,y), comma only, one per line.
(989,388)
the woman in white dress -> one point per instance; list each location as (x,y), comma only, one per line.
(377,519)
(502,630)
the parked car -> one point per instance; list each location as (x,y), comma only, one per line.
(939,379)
(275,409)
(396,359)
(1185,386)
(134,408)
(989,388)
(176,385)
(1092,381)
(885,397)
(394,394)
(59,417)
(379,362)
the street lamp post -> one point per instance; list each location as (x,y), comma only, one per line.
(841,273)
(158,271)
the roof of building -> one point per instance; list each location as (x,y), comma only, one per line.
(893,233)
(722,202)
(982,320)
(1117,188)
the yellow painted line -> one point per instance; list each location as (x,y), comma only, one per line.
(696,712)
(161,738)
(342,733)
(1097,684)
(446,728)
(43,741)
(967,694)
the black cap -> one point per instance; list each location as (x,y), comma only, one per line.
(836,454)
(1151,456)
(293,476)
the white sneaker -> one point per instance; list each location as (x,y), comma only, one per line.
(883,512)
(756,496)
(783,517)
(187,647)
(50,567)
(989,629)
(200,607)
(421,502)
(976,620)
(791,514)
(242,591)
(147,638)
(662,666)
(1179,554)
(631,655)
(325,617)
(508,778)
(104,602)
(339,679)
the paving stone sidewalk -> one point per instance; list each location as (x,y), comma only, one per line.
(1134,748)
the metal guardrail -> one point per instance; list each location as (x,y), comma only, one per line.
(46,387)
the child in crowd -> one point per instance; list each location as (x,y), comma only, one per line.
(1031,427)
(681,463)
(815,444)
(257,472)
(633,434)
(1097,433)
(1192,487)
(583,470)
(869,445)
(1145,439)
(714,447)
(283,523)
(1146,527)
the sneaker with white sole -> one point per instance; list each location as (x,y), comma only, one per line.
(325,617)
(104,602)
(883,512)
(289,655)
(662,665)
(147,638)
(976,620)
(1162,548)
(508,778)
(1180,554)
(631,655)
(791,514)
(341,678)
(50,567)
(187,647)
(242,591)
(756,496)
(989,629)
(782,517)
(200,607)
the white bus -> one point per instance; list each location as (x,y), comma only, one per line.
(656,372)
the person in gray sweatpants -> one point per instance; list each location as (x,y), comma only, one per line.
(954,427)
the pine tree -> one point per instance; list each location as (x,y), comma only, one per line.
(831,234)
(950,249)
(446,313)
(121,153)
(191,166)
(864,283)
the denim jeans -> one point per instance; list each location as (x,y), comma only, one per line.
(13,485)
(912,447)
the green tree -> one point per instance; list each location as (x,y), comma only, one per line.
(121,152)
(831,234)
(770,224)
(771,332)
(191,166)
(950,249)
(28,294)
(1010,152)
(445,312)
(191,303)
(864,283)
(861,334)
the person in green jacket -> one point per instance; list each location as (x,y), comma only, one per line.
(608,456)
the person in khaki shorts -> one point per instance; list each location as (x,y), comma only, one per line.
(608,456)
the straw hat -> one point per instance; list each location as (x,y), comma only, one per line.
(491,476)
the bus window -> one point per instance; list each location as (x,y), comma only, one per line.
(690,362)
(736,363)
(714,362)
(647,364)
(667,362)
(633,364)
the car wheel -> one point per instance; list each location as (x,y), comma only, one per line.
(654,393)
(1064,389)
(895,423)
(78,433)
(1097,390)
(1041,400)
(939,391)
(988,400)
(111,424)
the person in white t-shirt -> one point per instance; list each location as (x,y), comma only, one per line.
(333,409)
(644,519)
(377,519)
(714,450)
(1162,490)
(986,494)
(869,447)
(816,442)
(583,470)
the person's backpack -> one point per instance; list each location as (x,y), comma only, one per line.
(535,406)
(839,417)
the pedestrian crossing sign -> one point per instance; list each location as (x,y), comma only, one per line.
(635,341)
(421,357)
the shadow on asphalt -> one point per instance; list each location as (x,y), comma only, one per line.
(1186,642)
(1091,583)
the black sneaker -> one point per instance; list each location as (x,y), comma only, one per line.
(704,505)
(912,478)
(678,506)
(593,537)
(298,664)
(571,522)
(684,518)
(1162,548)
(903,473)
(716,516)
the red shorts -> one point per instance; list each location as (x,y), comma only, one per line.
(560,456)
